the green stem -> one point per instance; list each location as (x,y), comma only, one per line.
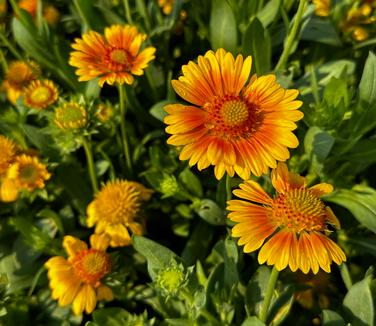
(82,14)
(90,163)
(144,14)
(228,187)
(3,61)
(206,314)
(18,13)
(127,12)
(150,79)
(10,46)
(269,294)
(123,129)
(291,37)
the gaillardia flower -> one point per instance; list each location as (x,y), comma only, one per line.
(291,228)
(114,57)
(77,280)
(166,6)
(322,7)
(70,115)
(115,210)
(28,173)
(236,128)
(8,150)
(40,94)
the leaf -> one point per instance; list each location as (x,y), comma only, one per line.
(256,42)
(363,152)
(281,307)
(252,321)
(331,318)
(223,30)
(157,256)
(321,31)
(360,201)
(209,211)
(111,316)
(191,182)
(359,303)
(157,110)
(318,143)
(269,12)
(256,290)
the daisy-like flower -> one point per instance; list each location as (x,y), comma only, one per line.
(115,210)
(166,6)
(104,112)
(28,173)
(8,150)
(236,128)
(29,5)
(77,280)
(70,115)
(291,228)
(114,57)
(21,73)
(40,94)
(8,190)
(322,7)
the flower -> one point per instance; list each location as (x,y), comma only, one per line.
(51,15)
(29,5)
(8,190)
(115,208)
(322,7)
(104,112)
(8,150)
(114,57)
(166,6)
(236,128)
(71,115)
(292,228)
(40,94)
(171,278)
(77,280)
(28,172)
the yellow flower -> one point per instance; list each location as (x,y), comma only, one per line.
(291,229)
(77,280)
(237,128)
(8,190)
(29,5)
(114,57)
(115,209)
(104,112)
(40,94)
(8,150)
(51,15)
(322,7)
(21,73)
(166,6)
(28,172)
(71,115)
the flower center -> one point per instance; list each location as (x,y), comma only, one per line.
(231,117)
(91,265)
(300,210)
(29,173)
(40,94)
(119,56)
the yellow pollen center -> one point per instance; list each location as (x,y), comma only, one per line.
(29,173)
(234,112)
(119,56)
(300,210)
(40,94)
(91,265)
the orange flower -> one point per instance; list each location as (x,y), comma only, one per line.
(8,150)
(77,280)
(29,5)
(322,7)
(291,229)
(114,57)
(236,128)
(40,94)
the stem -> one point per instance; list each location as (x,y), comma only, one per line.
(228,187)
(152,84)
(269,294)
(9,45)
(90,163)
(18,13)
(206,314)
(123,128)
(4,63)
(127,12)
(82,14)
(291,36)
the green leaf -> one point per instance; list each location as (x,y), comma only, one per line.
(111,316)
(157,110)
(363,152)
(252,321)
(321,31)
(269,12)
(157,256)
(256,42)
(331,318)
(360,201)
(223,28)
(281,307)
(359,303)
(335,92)
(191,182)
(318,143)
(209,211)
(256,289)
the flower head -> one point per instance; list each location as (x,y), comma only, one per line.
(291,228)
(51,15)
(166,6)
(40,94)
(29,5)
(77,280)
(114,57)
(322,7)
(237,128)
(171,278)
(104,112)
(8,150)
(28,173)
(8,190)
(21,73)
(70,115)
(116,208)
